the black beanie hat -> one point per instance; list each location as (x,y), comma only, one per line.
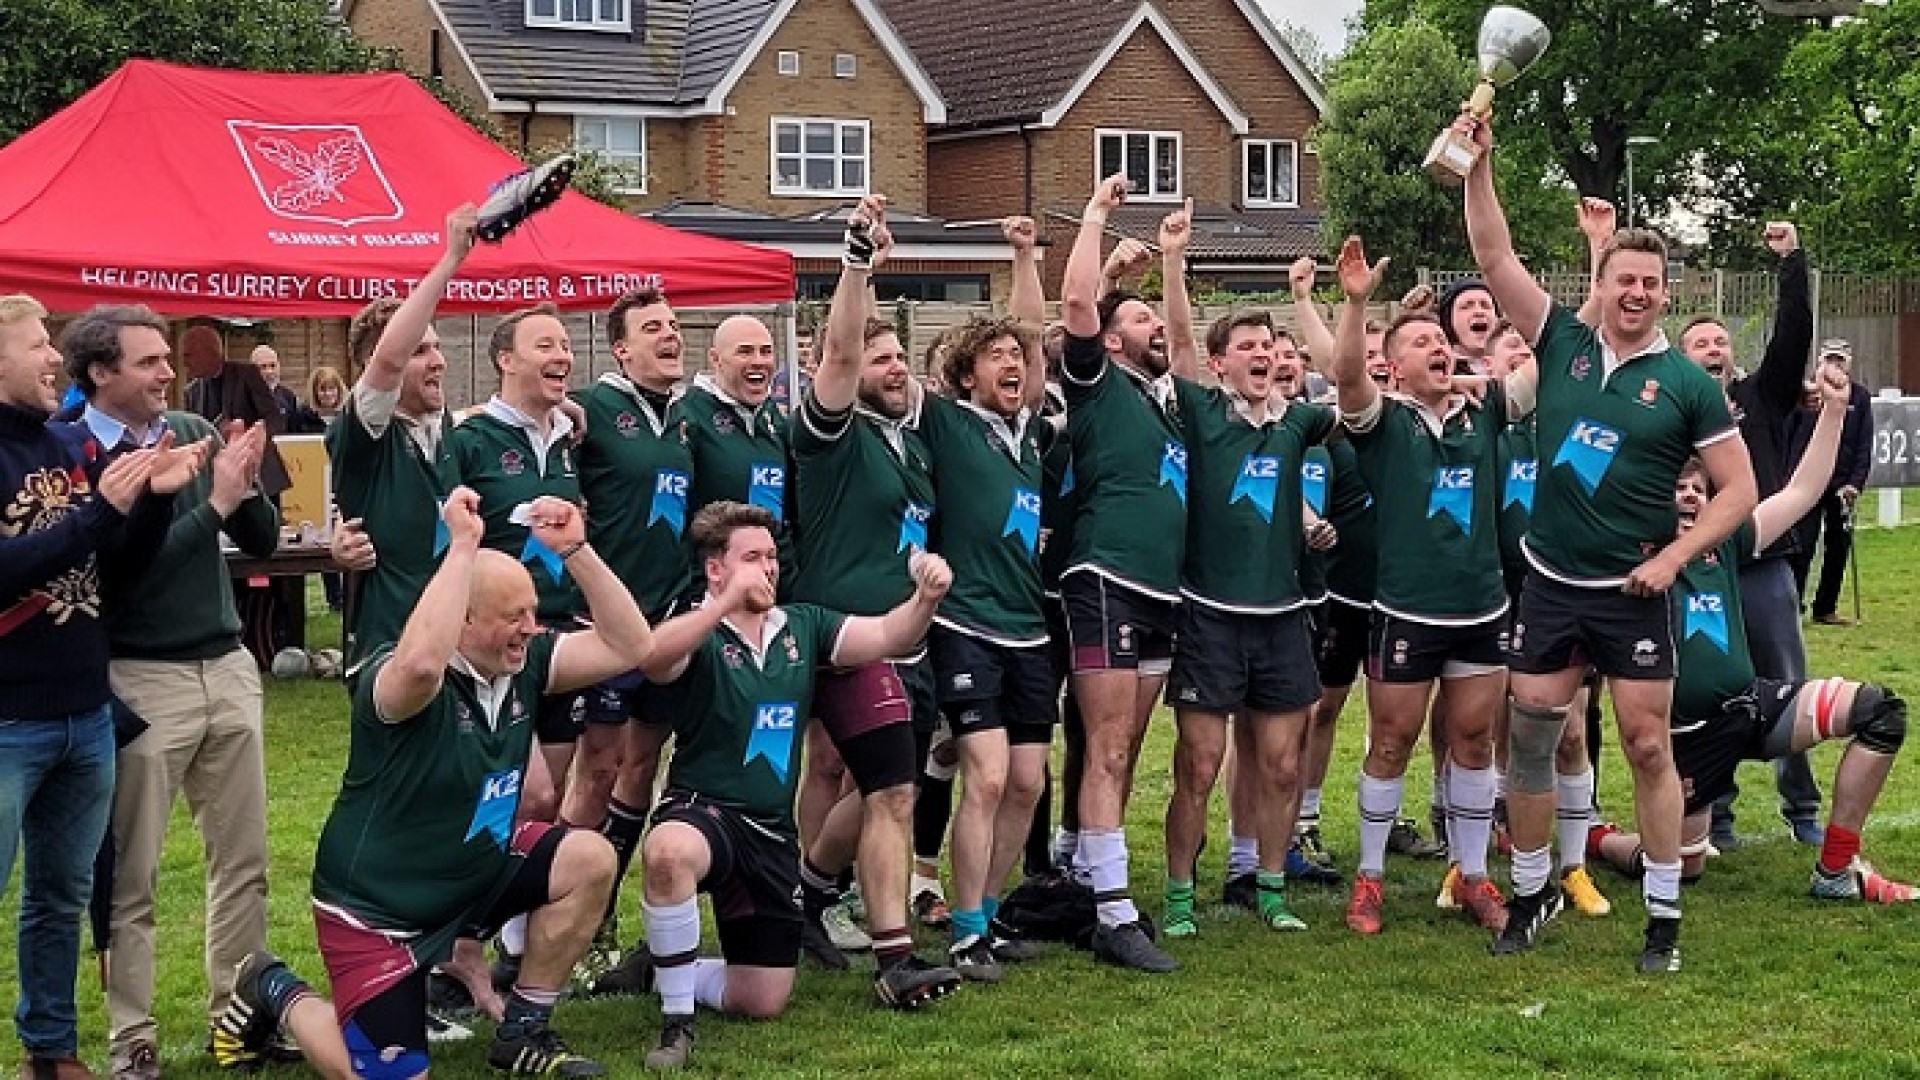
(1452,294)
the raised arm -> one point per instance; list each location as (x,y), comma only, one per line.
(1129,259)
(1176,231)
(619,638)
(871,638)
(1521,298)
(836,383)
(1083,284)
(1028,302)
(1313,330)
(410,320)
(1358,394)
(1596,224)
(1785,363)
(411,678)
(1782,510)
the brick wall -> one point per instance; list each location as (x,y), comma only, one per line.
(982,177)
(407,26)
(1276,106)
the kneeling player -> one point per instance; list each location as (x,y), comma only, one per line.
(1723,715)
(421,846)
(745,670)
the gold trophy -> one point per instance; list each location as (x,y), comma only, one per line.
(1510,41)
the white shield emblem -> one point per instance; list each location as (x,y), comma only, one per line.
(316,172)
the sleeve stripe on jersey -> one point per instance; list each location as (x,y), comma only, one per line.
(810,411)
(839,637)
(1718,436)
(1366,419)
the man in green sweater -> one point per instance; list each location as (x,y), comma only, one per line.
(177,662)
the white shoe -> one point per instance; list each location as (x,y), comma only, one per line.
(845,934)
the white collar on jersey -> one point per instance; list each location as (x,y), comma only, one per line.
(491,693)
(1456,404)
(770,628)
(1010,435)
(620,382)
(705,381)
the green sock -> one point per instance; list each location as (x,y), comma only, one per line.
(1273,896)
(1179,900)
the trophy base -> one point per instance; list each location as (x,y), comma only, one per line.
(1451,157)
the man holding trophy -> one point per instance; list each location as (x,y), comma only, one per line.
(1623,411)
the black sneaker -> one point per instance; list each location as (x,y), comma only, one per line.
(631,977)
(443,1028)
(450,997)
(537,1050)
(818,946)
(1526,916)
(1128,946)
(675,1047)
(973,958)
(241,1032)
(913,982)
(1009,947)
(1404,839)
(1662,954)
(505,970)
(1241,891)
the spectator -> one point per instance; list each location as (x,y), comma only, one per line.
(326,396)
(267,361)
(1834,516)
(223,391)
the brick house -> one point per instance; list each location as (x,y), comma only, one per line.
(757,120)
(1192,98)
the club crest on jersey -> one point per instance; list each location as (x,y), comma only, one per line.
(1650,393)
(790,646)
(1023,519)
(913,528)
(767,489)
(1452,495)
(1258,483)
(1707,617)
(627,424)
(1521,475)
(1313,485)
(512,463)
(1173,469)
(1580,367)
(772,737)
(669,500)
(724,423)
(732,656)
(1589,449)
(493,810)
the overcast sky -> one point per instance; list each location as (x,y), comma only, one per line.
(1324,18)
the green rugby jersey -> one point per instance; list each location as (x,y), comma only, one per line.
(1243,542)
(1715,664)
(1129,470)
(1316,473)
(1611,445)
(864,499)
(987,481)
(1519,470)
(394,484)
(1058,503)
(737,740)
(1436,484)
(419,831)
(739,454)
(1353,562)
(494,453)
(636,472)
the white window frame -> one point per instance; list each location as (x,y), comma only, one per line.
(1272,148)
(788,62)
(840,127)
(622,25)
(845,65)
(638,162)
(1154,138)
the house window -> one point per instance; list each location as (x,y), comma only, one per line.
(1151,160)
(1272,172)
(845,66)
(579,14)
(819,157)
(789,62)
(622,142)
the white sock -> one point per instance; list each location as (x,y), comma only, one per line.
(710,983)
(1469,817)
(1661,888)
(1573,801)
(1379,805)
(513,936)
(1243,854)
(1442,800)
(922,883)
(673,937)
(1066,844)
(1104,854)
(1531,870)
(1310,806)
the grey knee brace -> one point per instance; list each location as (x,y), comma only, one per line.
(1879,719)
(1531,740)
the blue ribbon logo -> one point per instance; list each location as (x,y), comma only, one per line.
(535,551)
(1313,485)
(767,489)
(1453,495)
(772,736)
(1589,448)
(1023,519)
(1173,469)
(669,501)
(493,813)
(1520,479)
(913,528)
(1707,617)
(1258,482)
(442,537)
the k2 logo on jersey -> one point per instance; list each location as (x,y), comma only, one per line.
(913,528)
(1707,617)
(669,500)
(767,489)
(772,737)
(1173,469)
(1258,483)
(1452,495)
(1520,480)
(1313,485)
(1589,449)
(493,810)
(1023,519)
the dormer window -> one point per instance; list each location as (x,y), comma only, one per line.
(611,15)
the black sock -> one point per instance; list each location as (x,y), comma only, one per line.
(529,1008)
(623,828)
(818,890)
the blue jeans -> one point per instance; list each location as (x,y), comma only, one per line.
(1771,601)
(56,791)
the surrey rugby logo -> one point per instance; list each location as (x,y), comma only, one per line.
(316,172)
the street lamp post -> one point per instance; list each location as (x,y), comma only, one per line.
(1633,141)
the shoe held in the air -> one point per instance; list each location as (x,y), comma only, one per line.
(1128,946)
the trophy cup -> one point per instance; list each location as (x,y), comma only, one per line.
(1510,41)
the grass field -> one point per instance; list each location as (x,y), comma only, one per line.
(1775,985)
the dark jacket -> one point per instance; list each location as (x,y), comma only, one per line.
(1766,401)
(1855,458)
(241,393)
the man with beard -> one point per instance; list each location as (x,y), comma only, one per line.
(864,503)
(1121,584)
(1623,411)
(635,472)
(1764,404)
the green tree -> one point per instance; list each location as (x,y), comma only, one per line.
(1395,88)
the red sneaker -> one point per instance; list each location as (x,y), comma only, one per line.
(1363,910)
(1480,898)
